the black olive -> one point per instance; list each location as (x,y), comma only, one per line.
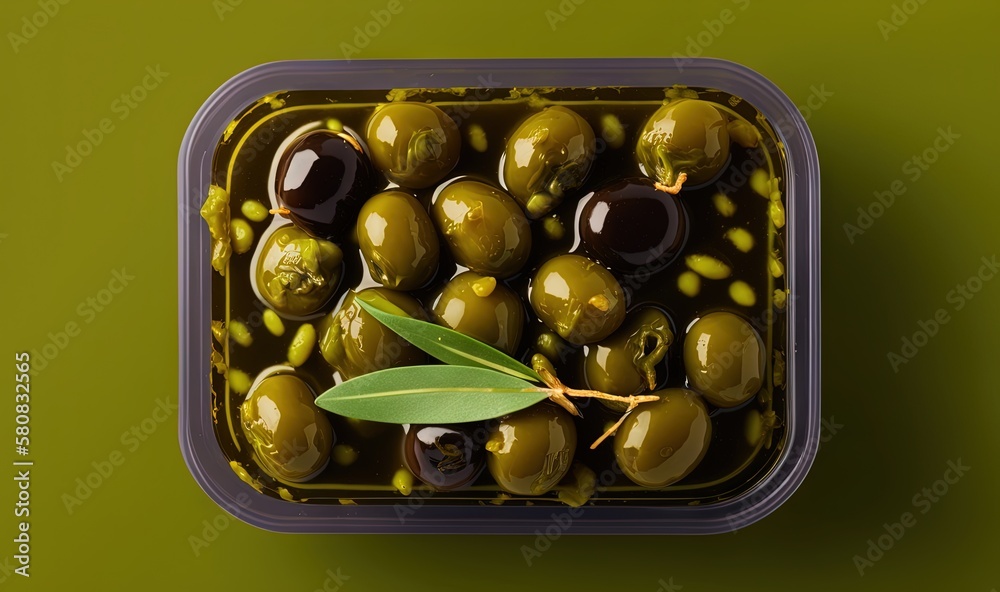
(630,225)
(444,457)
(323,179)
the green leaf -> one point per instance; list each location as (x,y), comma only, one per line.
(430,394)
(447,345)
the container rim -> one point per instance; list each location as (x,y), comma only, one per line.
(205,459)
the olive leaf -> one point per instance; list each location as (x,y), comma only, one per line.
(447,345)
(478,382)
(431,394)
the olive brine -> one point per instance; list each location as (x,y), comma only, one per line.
(630,240)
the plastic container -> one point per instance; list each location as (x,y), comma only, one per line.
(800,433)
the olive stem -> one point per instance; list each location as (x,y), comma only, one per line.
(558,392)
(610,431)
(280,211)
(559,398)
(672,189)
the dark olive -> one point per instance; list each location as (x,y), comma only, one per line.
(290,436)
(661,442)
(547,156)
(625,363)
(484,228)
(413,144)
(323,178)
(355,343)
(631,226)
(685,141)
(444,457)
(577,298)
(398,240)
(296,274)
(481,308)
(531,450)
(724,359)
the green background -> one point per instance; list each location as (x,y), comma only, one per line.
(61,241)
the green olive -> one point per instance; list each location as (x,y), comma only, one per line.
(355,343)
(661,442)
(413,144)
(296,273)
(398,240)
(625,363)
(548,343)
(291,438)
(483,227)
(577,298)
(724,359)
(531,450)
(481,308)
(547,156)
(686,136)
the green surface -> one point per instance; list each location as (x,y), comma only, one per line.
(888,436)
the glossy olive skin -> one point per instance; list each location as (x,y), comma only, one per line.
(323,178)
(724,359)
(661,442)
(297,274)
(482,309)
(444,457)
(290,436)
(398,240)
(413,144)
(484,228)
(548,343)
(626,362)
(531,450)
(547,156)
(577,298)
(684,136)
(355,343)
(629,226)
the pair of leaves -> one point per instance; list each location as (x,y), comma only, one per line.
(478,383)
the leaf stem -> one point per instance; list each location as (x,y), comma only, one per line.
(558,392)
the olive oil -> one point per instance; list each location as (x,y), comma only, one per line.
(746,440)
